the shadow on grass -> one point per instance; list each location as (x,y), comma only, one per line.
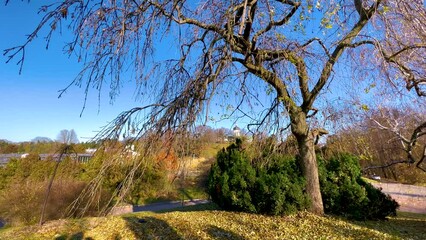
(405,226)
(219,233)
(151,228)
(74,230)
(193,208)
(75,236)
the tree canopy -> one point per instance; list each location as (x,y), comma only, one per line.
(293,51)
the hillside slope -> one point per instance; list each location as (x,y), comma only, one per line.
(196,223)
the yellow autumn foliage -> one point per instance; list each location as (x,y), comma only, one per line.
(214,224)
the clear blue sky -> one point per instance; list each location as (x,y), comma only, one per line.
(29,102)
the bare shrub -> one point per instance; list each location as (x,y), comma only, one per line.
(21,203)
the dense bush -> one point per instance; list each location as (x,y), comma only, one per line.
(31,168)
(279,187)
(235,184)
(232,179)
(345,193)
(23,184)
(276,188)
(150,179)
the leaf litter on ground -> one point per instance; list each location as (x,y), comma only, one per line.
(216,224)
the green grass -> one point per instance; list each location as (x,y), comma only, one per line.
(210,151)
(192,193)
(206,222)
(369,180)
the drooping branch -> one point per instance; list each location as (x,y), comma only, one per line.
(52,18)
(365,16)
(391,57)
(273,80)
(269,112)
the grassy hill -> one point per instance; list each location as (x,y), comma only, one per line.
(203,222)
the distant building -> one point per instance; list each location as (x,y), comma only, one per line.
(237,131)
(231,137)
(4,158)
(91,150)
(81,157)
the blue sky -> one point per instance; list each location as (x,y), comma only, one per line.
(29,102)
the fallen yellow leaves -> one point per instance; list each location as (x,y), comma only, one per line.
(213,224)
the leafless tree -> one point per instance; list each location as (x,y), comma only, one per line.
(397,125)
(67,136)
(383,139)
(292,49)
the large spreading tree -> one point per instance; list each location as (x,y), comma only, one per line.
(297,49)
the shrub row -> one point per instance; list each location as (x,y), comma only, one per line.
(237,183)
(21,204)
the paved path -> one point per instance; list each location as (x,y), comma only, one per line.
(410,198)
(155,207)
(168,205)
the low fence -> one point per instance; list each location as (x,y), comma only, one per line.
(410,198)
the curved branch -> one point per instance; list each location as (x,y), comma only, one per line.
(387,165)
(408,144)
(269,112)
(281,22)
(273,80)
(421,160)
(55,15)
(319,42)
(338,51)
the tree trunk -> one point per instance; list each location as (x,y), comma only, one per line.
(307,159)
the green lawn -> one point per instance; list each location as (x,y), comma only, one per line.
(204,222)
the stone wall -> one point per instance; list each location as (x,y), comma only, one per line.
(410,198)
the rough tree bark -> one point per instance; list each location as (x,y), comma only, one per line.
(308,162)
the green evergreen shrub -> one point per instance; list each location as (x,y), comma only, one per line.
(231,180)
(280,187)
(277,187)
(345,193)
(379,205)
(235,184)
